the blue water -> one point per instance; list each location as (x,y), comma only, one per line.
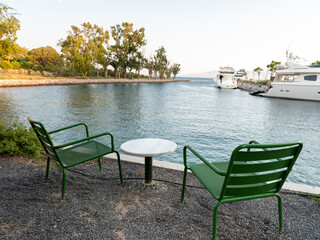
(196,113)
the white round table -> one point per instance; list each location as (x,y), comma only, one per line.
(147,148)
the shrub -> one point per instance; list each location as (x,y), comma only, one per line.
(48,69)
(15,65)
(5,64)
(16,139)
(25,64)
(37,68)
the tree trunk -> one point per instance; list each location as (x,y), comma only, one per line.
(105,71)
(115,73)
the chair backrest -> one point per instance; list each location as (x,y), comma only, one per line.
(256,169)
(44,139)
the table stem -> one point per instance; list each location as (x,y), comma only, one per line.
(148,169)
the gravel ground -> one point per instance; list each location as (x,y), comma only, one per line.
(99,208)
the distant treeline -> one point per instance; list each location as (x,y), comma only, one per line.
(88,50)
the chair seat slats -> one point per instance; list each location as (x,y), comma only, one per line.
(82,153)
(259,167)
(241,179)
(249,191)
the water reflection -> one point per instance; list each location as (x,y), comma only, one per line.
(8,112)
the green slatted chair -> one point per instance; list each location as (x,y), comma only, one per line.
(254,171)
(75,152)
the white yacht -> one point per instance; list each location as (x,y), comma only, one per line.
(225,78)
(239,75)
(295,81)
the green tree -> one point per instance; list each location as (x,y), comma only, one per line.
(316,63)
(104,56)
(160,61)
(149,64)
(45,56)
(272,67)
(168,71)
(9,25)
(137,63)
(258,70)
(80,48)
(127,44)
(175,69)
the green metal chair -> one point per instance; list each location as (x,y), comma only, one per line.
(75,152)
(254,171)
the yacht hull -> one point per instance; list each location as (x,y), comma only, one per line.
(291,90)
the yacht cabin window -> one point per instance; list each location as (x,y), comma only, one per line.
(310,78)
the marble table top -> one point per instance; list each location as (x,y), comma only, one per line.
(148,147)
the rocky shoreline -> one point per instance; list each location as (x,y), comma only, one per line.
(252,87)
(45,82)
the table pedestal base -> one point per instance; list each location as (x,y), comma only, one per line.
(148,170)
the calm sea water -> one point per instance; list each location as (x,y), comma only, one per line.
(196,113)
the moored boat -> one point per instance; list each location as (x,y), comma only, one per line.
(295,81)
(225,78)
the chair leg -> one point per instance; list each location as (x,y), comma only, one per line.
(48,167)
(99,161)
(280,212)
(63,182)
(184,184)
(120,170)
(214,227)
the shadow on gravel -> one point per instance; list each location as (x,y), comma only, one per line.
(99,207)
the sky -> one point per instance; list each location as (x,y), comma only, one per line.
(201,35)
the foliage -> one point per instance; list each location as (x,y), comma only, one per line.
(15,65)
(168,70)
(5,64)
(244,72)
(258,70)
(80,49)
(84,51)
(104,52)
(44,56)
(175,69)
(316,63)
(25,65)
(48,69)
(9,25)
(126,47)
(9,65)
(16,139)
(273,67)
(149,64)
(37,68)
(160,61)
(22,51)
(137,63)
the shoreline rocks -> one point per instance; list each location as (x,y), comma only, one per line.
(47,82)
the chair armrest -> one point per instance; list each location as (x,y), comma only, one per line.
(87,139)
(72,126)
(202,159)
